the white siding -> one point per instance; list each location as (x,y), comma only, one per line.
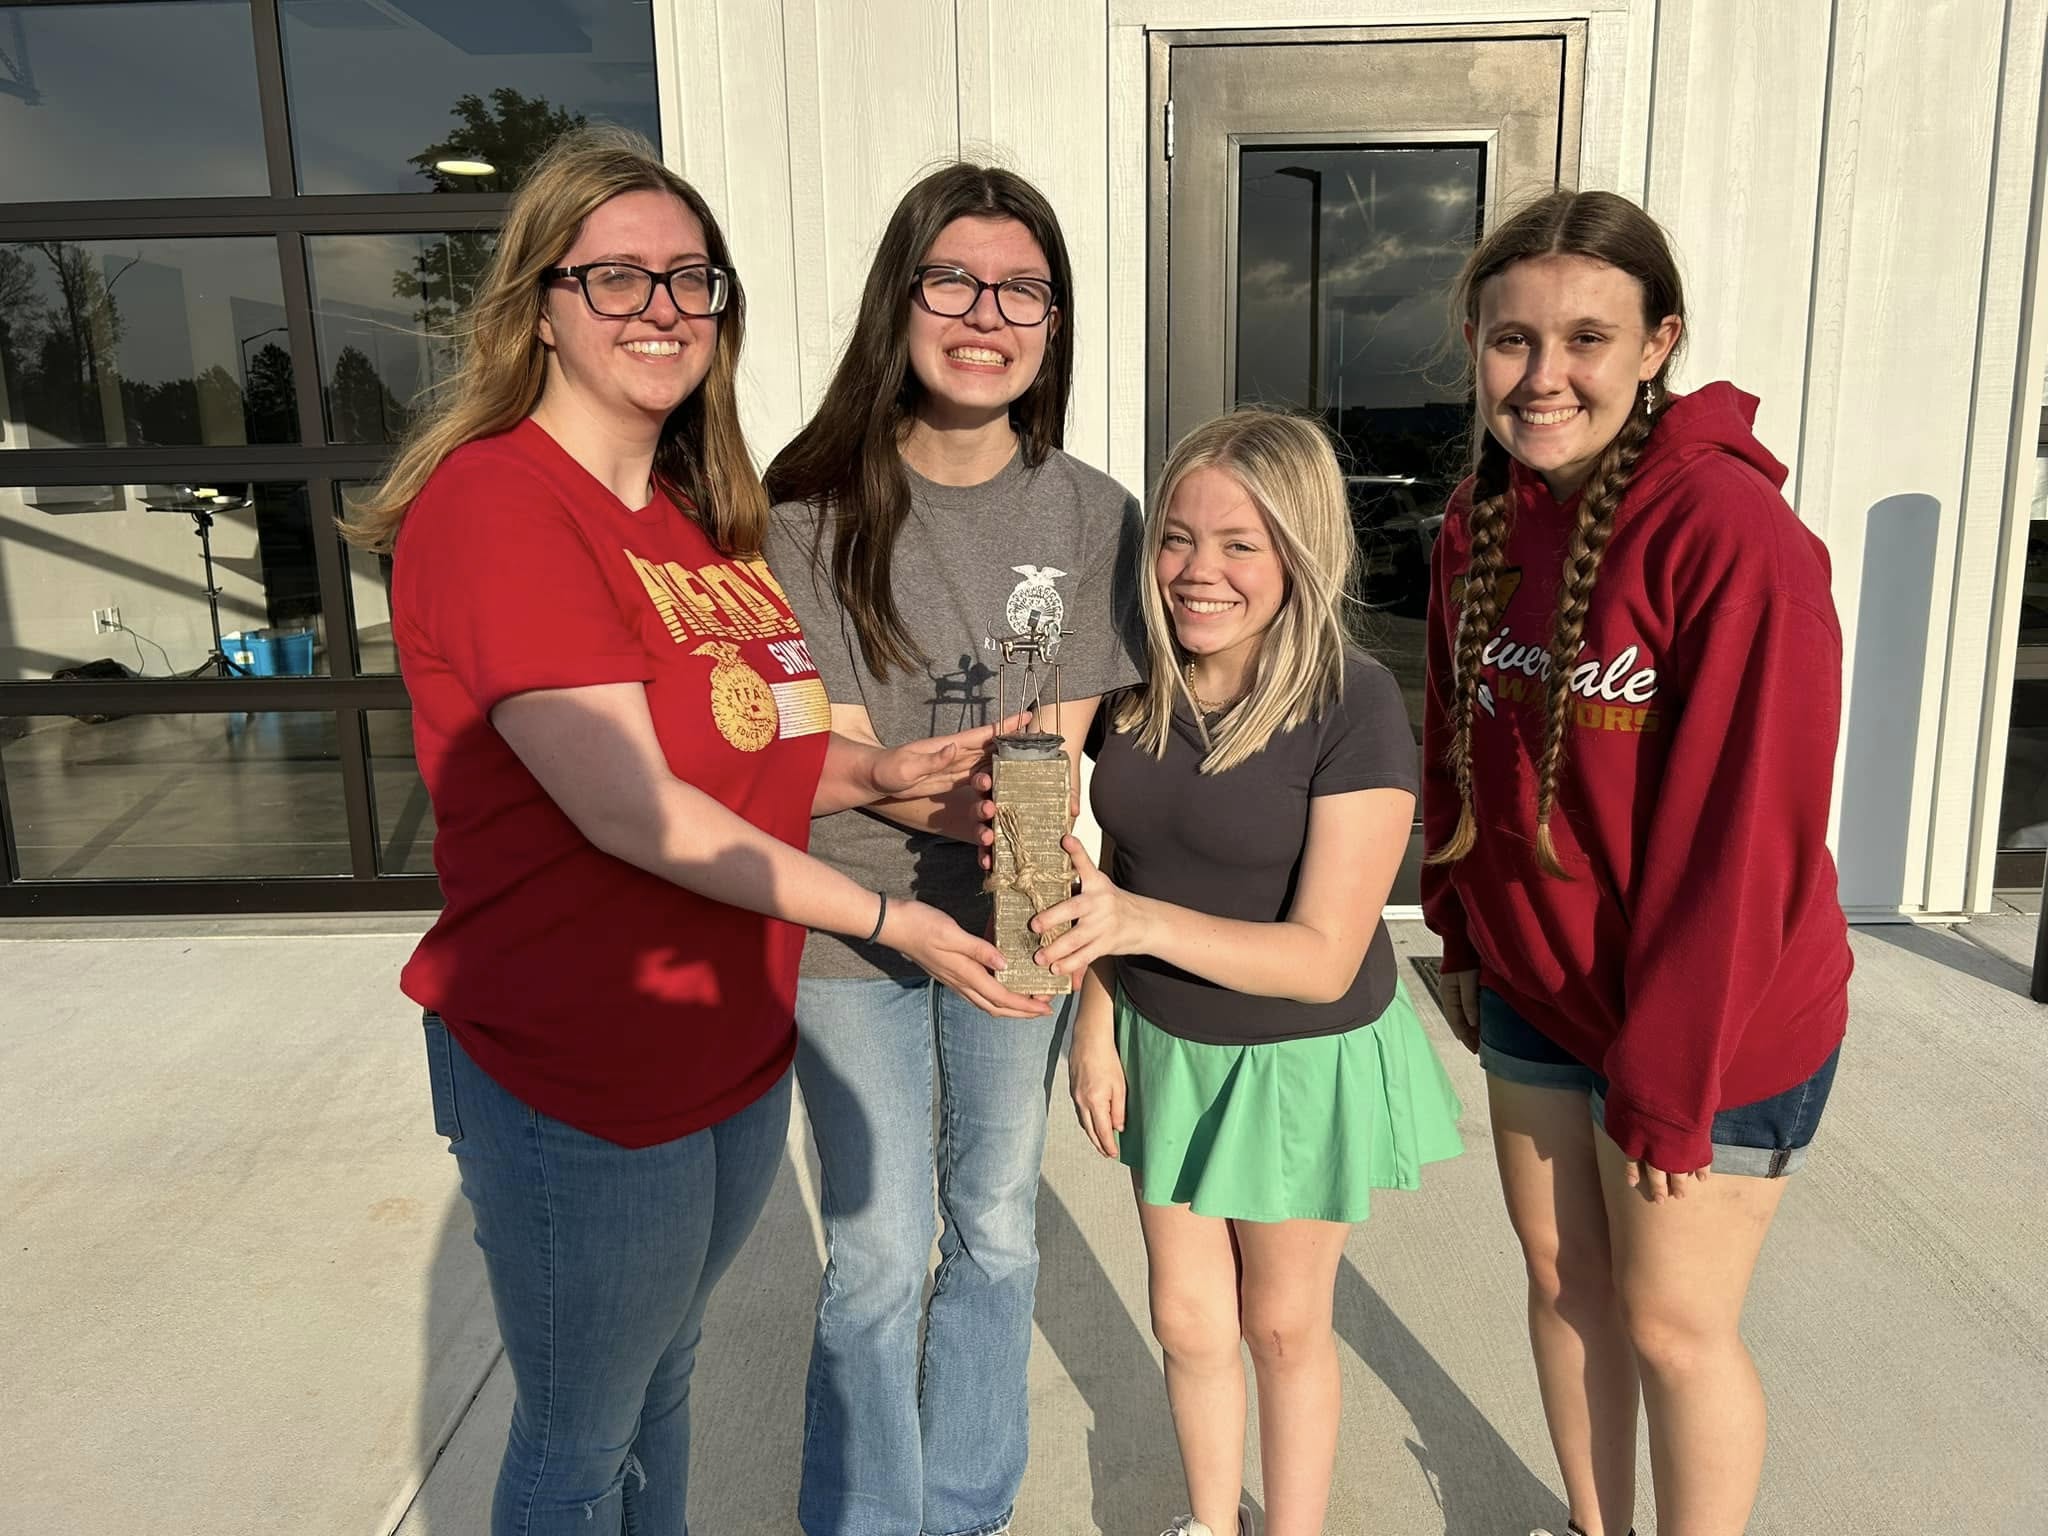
(1735,141)
(1854,189)
(1892,364)
(1997,492)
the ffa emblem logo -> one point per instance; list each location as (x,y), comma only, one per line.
(742,705)
(1034,603)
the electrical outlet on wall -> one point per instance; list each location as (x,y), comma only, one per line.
(105,619)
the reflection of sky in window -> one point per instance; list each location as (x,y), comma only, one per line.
(1396,224)
(372,82)
(146,100)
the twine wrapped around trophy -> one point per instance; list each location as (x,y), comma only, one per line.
(1030,870)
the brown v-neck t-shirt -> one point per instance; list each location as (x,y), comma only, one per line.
(1230,844)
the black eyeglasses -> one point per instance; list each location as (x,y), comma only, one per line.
(950,293)
(619,290)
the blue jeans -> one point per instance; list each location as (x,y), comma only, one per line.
(1765,1140)
(601,1258)
(898,1442)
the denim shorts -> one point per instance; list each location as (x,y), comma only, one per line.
(1765,1140)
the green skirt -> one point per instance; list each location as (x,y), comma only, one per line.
(1281,1132)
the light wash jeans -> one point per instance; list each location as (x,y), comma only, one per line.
(899,1442)
(601,1258)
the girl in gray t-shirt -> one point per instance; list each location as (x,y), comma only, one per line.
(1242,1041)
(926,503)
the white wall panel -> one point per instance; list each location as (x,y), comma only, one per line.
(1892,367)
(1034,96)
(1129,159)
(885,82)
(728,133)
(1735,140)
(1620,49)
(1997,492)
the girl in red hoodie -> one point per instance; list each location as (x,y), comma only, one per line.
(1634,692)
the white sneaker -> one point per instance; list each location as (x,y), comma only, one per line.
(1188,1525)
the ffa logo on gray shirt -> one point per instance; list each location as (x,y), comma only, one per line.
(1034,600)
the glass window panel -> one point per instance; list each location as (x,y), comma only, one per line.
(2023,808)
(382,92)
(143,342)
(155,100)
(369,598)
(73,557)
(381,305)
(167,797)
(405,821)
(1344,256)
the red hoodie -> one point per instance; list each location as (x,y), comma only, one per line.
(1698,957)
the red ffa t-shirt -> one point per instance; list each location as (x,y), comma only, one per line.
(592,990)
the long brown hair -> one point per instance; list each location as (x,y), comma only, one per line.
(847,462)
(502,365)
(1609,229)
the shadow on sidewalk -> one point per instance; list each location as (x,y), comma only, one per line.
(747,1399)
(1481,1485)
(460,1341)
(1133,1458)
(1951,950)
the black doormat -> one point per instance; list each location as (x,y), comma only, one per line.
(1431,971)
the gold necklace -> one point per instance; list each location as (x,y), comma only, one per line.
(1201,704)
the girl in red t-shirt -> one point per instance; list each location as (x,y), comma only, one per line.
(624,739)
(1632,705)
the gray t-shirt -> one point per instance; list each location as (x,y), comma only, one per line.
(1061,535)
(1230,844)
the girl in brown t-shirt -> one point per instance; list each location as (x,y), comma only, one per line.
(1242,1042)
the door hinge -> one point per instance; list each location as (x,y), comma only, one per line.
(1169,128)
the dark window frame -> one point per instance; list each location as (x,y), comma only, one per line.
(346,692)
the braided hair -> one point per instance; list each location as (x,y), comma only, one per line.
(1477,615)
(1612,230)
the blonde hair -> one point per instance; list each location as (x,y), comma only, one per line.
(1286,466)
(501,364)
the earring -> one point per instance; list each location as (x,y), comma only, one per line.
(1649,397)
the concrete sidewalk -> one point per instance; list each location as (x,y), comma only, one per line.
(241,1294)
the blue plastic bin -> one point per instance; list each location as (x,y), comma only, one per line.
(270,652)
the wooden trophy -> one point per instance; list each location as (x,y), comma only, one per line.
(1031,870)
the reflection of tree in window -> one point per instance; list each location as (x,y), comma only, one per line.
(364,409)
(61,333)
(509,135)
(55,356)
(17,296)
(271,404)
(172,410)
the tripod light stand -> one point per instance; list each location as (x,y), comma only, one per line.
(200,504)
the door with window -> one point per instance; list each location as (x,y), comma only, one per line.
(1313,195)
